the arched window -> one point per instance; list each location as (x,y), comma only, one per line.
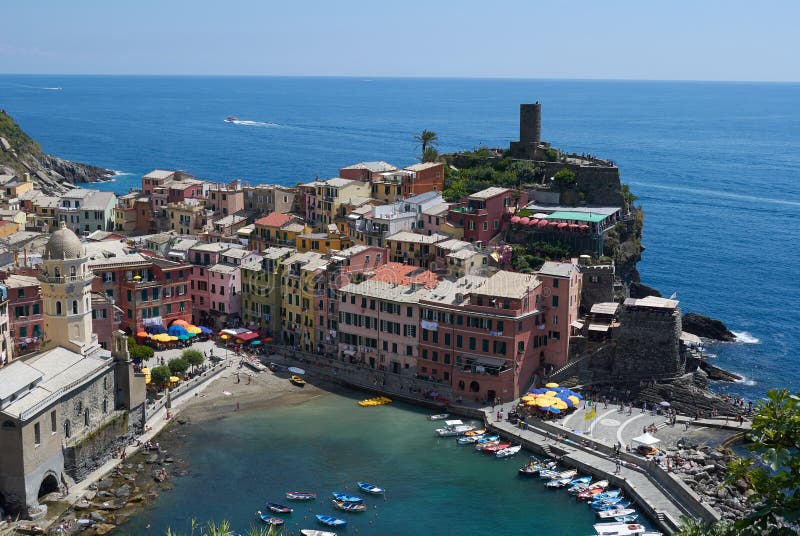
(67,429)
(58,308)
(58,271)
(86,416)
(72,271)
(74,307)
(474,387)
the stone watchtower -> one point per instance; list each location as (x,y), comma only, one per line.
(66,283)
(530,131)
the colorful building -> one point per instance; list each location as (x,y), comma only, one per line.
(366,171)
(412,248)
(560,304)
(25,320)
(482,215)
(304,301)
(261,296)
(270,231)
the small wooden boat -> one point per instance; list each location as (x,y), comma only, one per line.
(487,444)
(297,380)
(301,495)
(557,483)
(349,506)
(468,440)
(492,449)
(627,519)
(477,432)
(331,521)
(370,488)
(588,494)
(276,508)
(314,532)
(549,474)
(612,506)
(584,480)
(439,417)
(270,520)
(508,452)
(346,498)
(610,514)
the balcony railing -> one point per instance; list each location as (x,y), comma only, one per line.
(86,278)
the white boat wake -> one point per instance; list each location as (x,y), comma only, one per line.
(253,123)
(746,338)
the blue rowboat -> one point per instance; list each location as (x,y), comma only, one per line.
(370,488)
(582,480)
(347,498)
(627,519)
(276,508)
(331,521)
(611,506)
(270,520)
(486,439)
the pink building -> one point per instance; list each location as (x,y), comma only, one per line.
(226,200)
(482,215)
(213,307)
(480,335)
(378,324)
(106,318)
(559,303)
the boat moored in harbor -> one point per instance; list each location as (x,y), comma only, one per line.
(330,520)
(370,488)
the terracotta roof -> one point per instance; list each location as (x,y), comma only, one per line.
(276,219)
(403,274)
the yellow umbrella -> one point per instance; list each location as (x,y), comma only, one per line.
(174,379)
(147,379)
(550,393)
(559,404)
(575,400)
(528,397)
(194,329)
(545,401)
(145,370)
(172,338)
(551,384)
(224,337)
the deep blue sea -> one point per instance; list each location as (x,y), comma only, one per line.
(715,165)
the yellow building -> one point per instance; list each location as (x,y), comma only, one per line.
(276,229)
(331,198)
(322,242)
(412,248)
(186,218)
(302,298)
(17,187)
(261,296)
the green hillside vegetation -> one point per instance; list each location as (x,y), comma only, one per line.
(20,142)
(483,170)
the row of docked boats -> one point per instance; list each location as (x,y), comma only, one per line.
(376,401)
(608,504)
(340,500)
(466,434)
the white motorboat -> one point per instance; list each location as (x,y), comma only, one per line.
(510,451)
(623,529)
(313,532)
(439,417)
(231,119)
(454,428)
(609,514)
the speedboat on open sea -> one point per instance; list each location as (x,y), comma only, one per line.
(231,119)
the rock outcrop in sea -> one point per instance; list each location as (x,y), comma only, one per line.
(706,327)
(20,154)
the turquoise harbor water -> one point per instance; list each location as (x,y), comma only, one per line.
(433,485)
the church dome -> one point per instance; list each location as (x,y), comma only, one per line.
(63,244)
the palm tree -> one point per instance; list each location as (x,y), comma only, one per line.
(427,138)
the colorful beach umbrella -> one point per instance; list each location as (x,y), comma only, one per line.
(224,337)
(206,331)
(255,342)
(174,379)
(554,410)
(538,391)
(194,329)
(551,385)
(142,334)
(575,399)
(545,401)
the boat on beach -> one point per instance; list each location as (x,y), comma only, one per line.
(301,495)
(346,498)
(508,452)
(439,417)
(330,520)
(370,488)
(297,380)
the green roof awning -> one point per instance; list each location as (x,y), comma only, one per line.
(577,216)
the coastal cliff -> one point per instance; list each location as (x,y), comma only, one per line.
(20,154)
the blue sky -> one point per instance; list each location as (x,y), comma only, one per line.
(642,39)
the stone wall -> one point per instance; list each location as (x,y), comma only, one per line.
(598,285)
(94,449)
(647,345)
(599,184)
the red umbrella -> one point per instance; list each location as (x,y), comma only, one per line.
(515,219)
(542,223)
(562,225)
(574,226)
(524,221)
(584,227)
(533,222)
(552,223)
